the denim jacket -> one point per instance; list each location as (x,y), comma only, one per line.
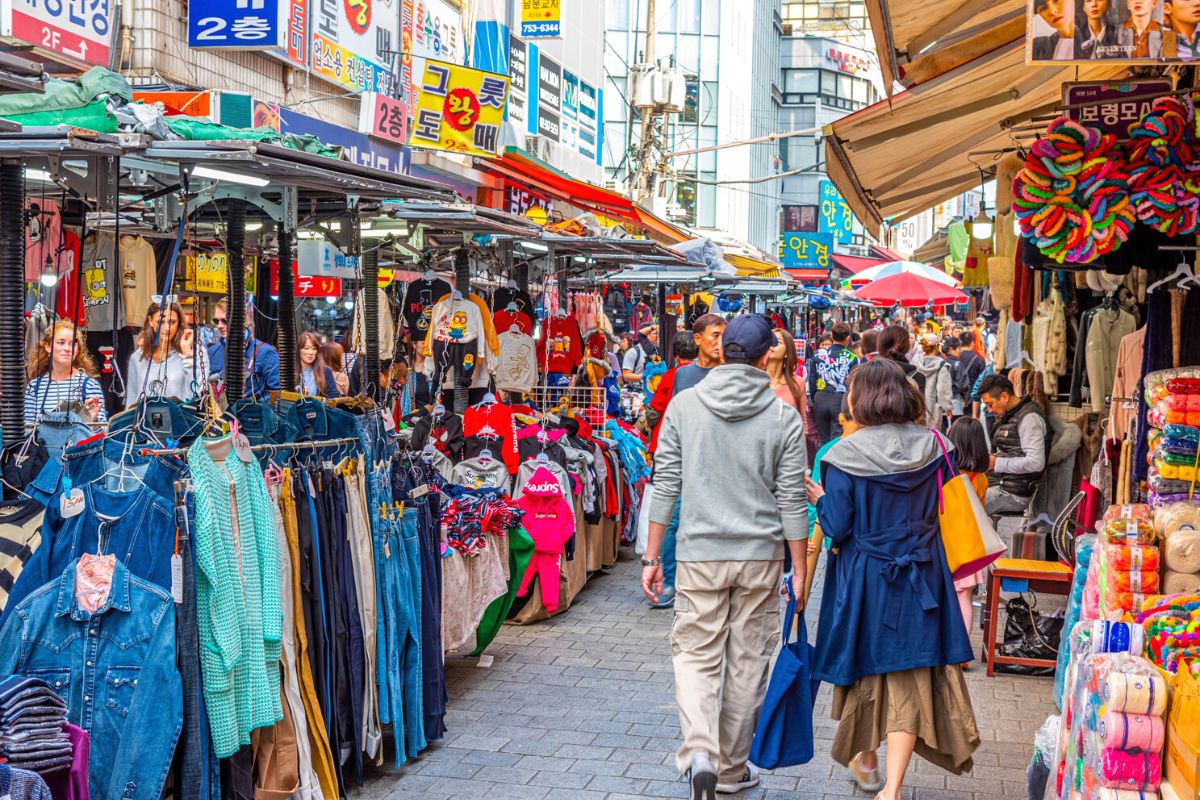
(97,662)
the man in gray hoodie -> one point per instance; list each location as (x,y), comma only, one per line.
(734,453)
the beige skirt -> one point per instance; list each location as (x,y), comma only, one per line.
(931,702)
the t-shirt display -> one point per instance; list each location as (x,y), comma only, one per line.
(137,278)
(419,300)
(100,282)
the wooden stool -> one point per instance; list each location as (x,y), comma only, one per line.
(1020,575)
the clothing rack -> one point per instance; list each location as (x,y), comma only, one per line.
(263,448)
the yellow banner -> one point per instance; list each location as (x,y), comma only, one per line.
(459,109)
(541,19)
(209,272)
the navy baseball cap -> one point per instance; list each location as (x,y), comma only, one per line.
(748,336)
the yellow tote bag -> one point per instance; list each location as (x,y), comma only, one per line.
(968,536)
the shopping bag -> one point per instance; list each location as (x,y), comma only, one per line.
(784,734)
(643,527)
(968,536)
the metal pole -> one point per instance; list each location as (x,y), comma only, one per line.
(644,185)
(370,300)
(12,276)
(286,332)
(462,282)
(235,348)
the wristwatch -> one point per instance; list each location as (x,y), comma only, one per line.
(651,562)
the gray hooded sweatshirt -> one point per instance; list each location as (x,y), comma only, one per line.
(939,387)
(734,454)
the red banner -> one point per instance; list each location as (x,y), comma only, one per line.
(307,285)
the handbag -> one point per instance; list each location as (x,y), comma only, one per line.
(968,536)
(784,734)
(1029,634)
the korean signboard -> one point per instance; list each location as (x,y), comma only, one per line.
(357,147)
(352,42)
(1129,32)
(459,109)
(191,104)
(518,200)
(588,109)
(518,90)
(541,19)
(407,13)
(836,217)
(80,29)
(549,96)
(436,31)
(800,250)
(1112,107)
(231,24)
(570,110)
(307,285)
(384,118)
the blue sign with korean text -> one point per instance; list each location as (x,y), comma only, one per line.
(359,147)
(800,250)
(835,217)
(233,24)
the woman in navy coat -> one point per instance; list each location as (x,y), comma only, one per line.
(891,638)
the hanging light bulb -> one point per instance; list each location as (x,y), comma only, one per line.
(49,277)
(981,226)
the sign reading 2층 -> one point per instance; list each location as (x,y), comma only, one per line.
(384,118)
(459,109)
(541,19)
(836,217)
(232,24)
(799,250)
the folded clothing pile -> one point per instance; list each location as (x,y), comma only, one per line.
(1178,526)
(33,718)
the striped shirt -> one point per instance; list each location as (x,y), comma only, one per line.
(44,396)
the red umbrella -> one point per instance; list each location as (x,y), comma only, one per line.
(909,290)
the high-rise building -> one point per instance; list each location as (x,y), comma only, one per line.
(729,51)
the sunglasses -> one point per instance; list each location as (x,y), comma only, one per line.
(170,298)
(220,321)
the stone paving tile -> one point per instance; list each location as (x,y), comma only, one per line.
(582,707)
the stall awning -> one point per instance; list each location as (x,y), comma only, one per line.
(745,265)
(917,40)
(969,108)
(856,264)
(521,166)
(815,275)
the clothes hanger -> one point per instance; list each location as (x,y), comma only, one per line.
(512,284)
(1182,270)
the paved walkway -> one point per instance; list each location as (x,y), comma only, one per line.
(582,707)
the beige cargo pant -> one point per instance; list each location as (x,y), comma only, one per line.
(727,618)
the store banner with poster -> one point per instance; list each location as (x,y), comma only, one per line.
(352,43)
(799,218)
(1112,107)
(800,250)
(1118,31)
(459,109)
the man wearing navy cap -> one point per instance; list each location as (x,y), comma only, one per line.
(734,454)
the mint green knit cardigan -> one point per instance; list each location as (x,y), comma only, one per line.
(237,597)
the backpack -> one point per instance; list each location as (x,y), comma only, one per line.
(960,380)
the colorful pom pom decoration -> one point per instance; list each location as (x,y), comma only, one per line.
(1164,177)
(1072,197)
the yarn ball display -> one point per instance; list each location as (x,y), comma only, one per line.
(1164,178)
(1072,197)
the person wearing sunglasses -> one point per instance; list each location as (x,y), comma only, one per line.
(262,360)
(166,361)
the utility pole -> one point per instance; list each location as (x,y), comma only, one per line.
(644,184)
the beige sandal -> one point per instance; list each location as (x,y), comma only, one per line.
(867,780)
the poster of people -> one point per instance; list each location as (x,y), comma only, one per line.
(1130,31)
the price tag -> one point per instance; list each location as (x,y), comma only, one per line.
(177,578)
(389,424)
(419,492)
(241,446)
(71,504)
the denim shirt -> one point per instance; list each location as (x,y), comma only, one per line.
(97,662)
(135,526)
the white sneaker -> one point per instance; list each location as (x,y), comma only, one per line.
(748,781)
(702,775)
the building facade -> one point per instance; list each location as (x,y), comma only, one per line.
(729,51)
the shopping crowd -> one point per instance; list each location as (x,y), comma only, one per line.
(840,455)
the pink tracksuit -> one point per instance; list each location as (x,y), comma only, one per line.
(550,522)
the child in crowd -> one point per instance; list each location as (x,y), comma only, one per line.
(971,455)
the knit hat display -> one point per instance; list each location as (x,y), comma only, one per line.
(1072,197)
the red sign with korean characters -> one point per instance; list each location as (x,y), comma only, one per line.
(384,118)
(81,29)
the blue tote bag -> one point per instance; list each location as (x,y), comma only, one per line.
(784,735)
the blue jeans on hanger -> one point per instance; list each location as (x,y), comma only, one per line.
(410,649)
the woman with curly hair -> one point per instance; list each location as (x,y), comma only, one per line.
(61,372)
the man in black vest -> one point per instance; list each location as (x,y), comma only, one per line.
(1020,443)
